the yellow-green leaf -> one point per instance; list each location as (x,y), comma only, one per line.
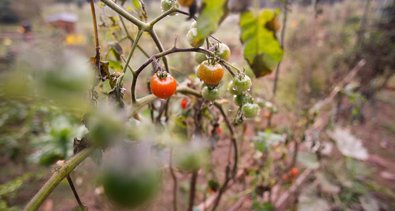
(261,48)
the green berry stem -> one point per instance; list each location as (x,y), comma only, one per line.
(56,178)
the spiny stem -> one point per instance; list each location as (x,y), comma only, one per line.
(56,178)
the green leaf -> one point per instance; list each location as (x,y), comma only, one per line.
(261,47)
(116,66)
(212,14)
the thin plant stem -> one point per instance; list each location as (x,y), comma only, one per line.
(96,35)
(121,11)
(134,45)
(77,197)
(175,181)
(130,37)
(277,71)
(159,45)
(56,178)
(192,191)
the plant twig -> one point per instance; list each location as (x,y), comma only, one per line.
(229,172)
(77,197)
(277,71)
(56,178)
(298,182)
(175,181)
(134,45)
(159,45)
(121,11)
(192,190)
(96,35)
(130,37)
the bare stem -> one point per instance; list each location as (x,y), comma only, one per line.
(56,178)
(130,37)
(77,197)
(121,11)
(229,173)
(163,15)
(159,45)
(96,35)
(175,181)
(192,191)
(277,72)
(134,45)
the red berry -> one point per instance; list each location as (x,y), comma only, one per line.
(294,172)
(184,103)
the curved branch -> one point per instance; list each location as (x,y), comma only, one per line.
(56,178)
(163,15)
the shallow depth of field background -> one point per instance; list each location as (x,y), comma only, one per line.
(321,46)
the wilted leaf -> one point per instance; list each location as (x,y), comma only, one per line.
(261,47)
(309,160)
(348,144)
(212,14)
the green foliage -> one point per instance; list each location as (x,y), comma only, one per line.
(261,49)
(214,11)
